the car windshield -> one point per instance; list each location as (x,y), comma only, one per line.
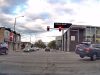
(84,45)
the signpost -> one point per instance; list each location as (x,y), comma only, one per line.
(61,27)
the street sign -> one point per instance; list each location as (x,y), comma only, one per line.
(62,25)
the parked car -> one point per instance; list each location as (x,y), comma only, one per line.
(47,49)
(89,50)
(3,48)
(28,49)
(35,48)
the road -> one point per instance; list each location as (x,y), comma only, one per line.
(47,63)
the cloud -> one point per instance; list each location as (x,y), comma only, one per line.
(5,20)
(38,14)
(26,30)
(42,16)
(56,1)
(88,13)
(10,6)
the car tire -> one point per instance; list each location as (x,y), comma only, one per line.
(81,56)
(6,52)
(93,57)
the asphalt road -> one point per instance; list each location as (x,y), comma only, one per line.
(47,63)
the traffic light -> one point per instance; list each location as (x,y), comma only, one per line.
(60,28)
(48,28)
(62,25)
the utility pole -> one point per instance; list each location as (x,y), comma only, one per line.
(68,39)
(15,31)
(30,38)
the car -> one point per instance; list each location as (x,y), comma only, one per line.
(31,49)
(28,49)
(35,48)
(3,48)
(88,50)
(47,49)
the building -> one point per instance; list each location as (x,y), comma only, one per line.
(59,42)
(17,41)
(79,33)
(11,38)
(25,44)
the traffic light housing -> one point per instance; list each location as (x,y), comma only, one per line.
(60,28)
(48,28)
(62,25)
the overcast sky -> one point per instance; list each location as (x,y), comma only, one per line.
(38,14)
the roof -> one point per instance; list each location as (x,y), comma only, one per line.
(9,29)
(84,26)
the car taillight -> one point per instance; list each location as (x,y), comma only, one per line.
(87,49)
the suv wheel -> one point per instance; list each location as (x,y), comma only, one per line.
(81,56)
(93,57)
(6,52)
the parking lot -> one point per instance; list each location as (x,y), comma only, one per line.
(47,63)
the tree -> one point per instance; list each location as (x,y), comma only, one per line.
(40,44)
(52,44)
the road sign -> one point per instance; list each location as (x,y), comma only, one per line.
(62,25)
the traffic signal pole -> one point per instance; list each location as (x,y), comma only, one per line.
(68,39)
(61,27)
(62,39)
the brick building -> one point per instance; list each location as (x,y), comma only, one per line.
(12,38)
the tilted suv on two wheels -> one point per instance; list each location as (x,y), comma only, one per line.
(89,50)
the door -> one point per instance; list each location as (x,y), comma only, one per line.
(74,38)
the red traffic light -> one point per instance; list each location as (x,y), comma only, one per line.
(48,28)
(60,28)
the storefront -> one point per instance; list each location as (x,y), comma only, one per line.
(79,33)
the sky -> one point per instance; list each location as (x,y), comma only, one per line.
(38,14)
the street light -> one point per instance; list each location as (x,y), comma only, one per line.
(15,21)
(14,28)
